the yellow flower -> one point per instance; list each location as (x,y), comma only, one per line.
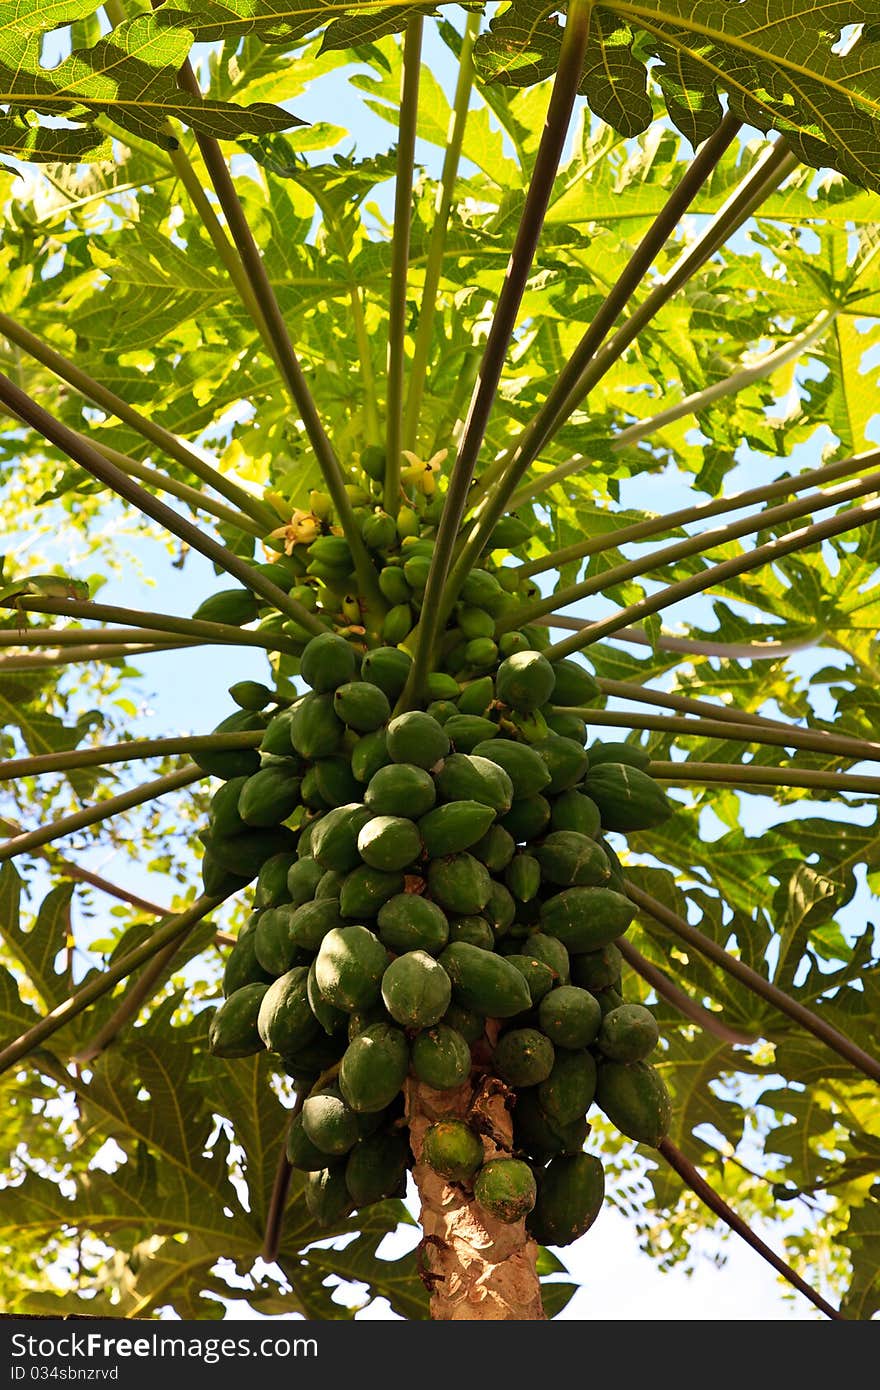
(301,529)
(423,472)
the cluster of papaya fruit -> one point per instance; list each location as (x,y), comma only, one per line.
(435,898)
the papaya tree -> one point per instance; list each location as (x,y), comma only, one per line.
(529,865)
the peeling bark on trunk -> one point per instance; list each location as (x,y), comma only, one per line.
(476,1268)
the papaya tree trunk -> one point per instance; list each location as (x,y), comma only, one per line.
(476,1268)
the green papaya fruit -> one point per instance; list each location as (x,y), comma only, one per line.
(538,975)
(308,1062)
(365,890)
(274,947)
(552,952)
(585,919)
(416,990)
(617,879)
(628,1033)
(467,730)
(459,883)
(272,889)
(635,1099)
(276,740)
(609,999)
(440,686)
(401,789)
(509,533)
(376,1168)
(269,796)
(310,792)
(453,1150)
(506,1189)
(484,981)
(566,762)
(327,1198)
(477,696)
(368,755)
(523,877)
(416,738)
(495,849)
(332,551)
(374,461)
(217,880)
(379,531)
(535,1133)
(335,781)
(389,842)
(475,930)
(302,880)
(470,1025)
(416,570)
(500,910)
(454,827)
(223,816)
(480,654)
(596,970)
(441,1057)
(481,589)
(475,623)
(470,777)
(397,624)
(328,661)
(527,770)
(362,1019)
(572,810)
(567,1093)
(334,841)
(244,855)
(392,582)
(285,1022)
(349,967)
(330,883)
(232,762)
(442,711)
(567,857)
(302,1154)
(315,731)
(573,684)
(362,706)
(234,607)
(329,1123)
(408,922)
(527,818)
(571,1191)
(523,1057)
(251,695)
(374,1068)
(311,922)
(524,681)
(331,1019)
(570,1017)
(567,725)
(242,967)
(628,799)
(512,641)
(623,754)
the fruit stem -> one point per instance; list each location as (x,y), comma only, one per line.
(403,200)
(133,751)
(707,1194)
(771,517)
(171,930)
(223,634)
(114,405)
(838,1042)
(440,593)
(437,244)
(104,810)
(92,460)
(768,554)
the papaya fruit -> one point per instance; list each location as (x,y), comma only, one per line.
(327,1197)
(609,999)
(235,607)
(310,923)
(477,696)
(408,922)
(441,1057)
(416,990)
(285,1022)
(308,1061)
(523,1057)
(368,755)
(379,531)
(362,706)
(470,1025)
(244,855)
(573,684)
(217,880)
(500,910)
(569,858)
(506,1189)
(481,589)
(550,950)
(628,1033)
(233,1031)
(389,842)
(269,796)
(459,883)
(475,930)
(596,970)
(465,731)
(495,849)
(335,782)
(480,654)
(271,888)
(242,967)
(565,760)
(525,681)
(276,739)
(527,818)
(374,461)
(570,1017)
(302,880)
(302,1154)
(397,624)
(453,1149)
(374,1068)
(251,695)
(315,731)
(624,754)
(538,975)
(334,841)
(527,770)
(585,919)
(567,725)
(573,810)
(364,891)
(628,799)
(454,827)
(571,1191)
(274,947)
(470,777)
(329,1123)
(484,981)
(331,1019)
(223,815)
(442,711)
(376,1168)
(616,880)
(401,789)
(227,763)
(388,667)
(536,1133)
(329,884)
(523,877)
(568,1091)
(349,967)
(327,662)
(416,738)
(635,1099)
(440,686)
